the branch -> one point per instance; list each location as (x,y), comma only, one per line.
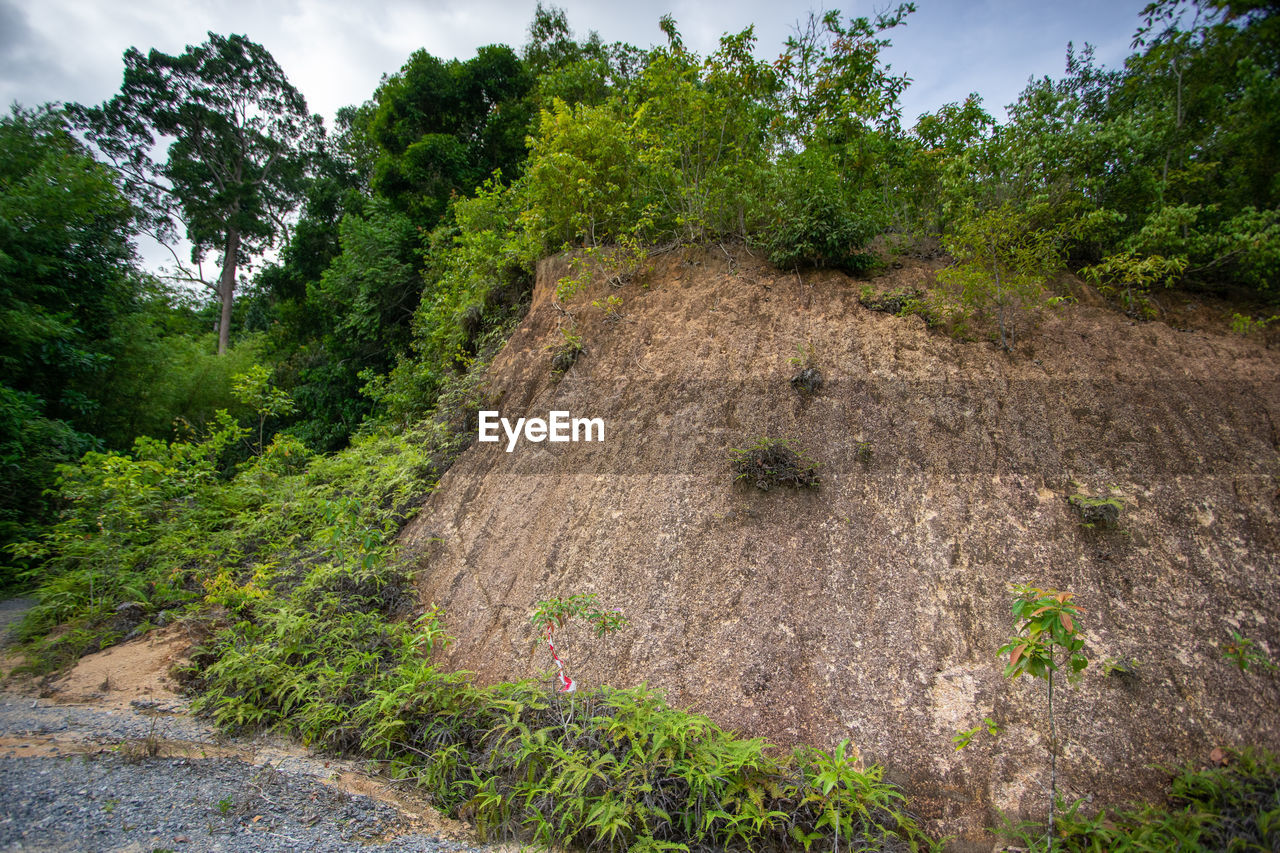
(185,273)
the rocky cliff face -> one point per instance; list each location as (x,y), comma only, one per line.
(872,608)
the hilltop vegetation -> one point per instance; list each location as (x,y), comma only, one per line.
(256,474)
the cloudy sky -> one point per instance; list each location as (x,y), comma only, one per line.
(335,51)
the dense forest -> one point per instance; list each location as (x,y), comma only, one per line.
(246,437)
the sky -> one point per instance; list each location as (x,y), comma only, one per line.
(336,51)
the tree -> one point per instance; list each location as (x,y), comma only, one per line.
(1045,622)
(66,277)
(254,389)
(1001,263)
(442,127)
(238,141)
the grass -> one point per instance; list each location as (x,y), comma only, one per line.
(1234,807)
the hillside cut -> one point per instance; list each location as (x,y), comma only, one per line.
(871,607)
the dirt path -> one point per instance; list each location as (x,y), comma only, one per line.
(108,758)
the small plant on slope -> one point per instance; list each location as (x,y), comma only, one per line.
(1046,635)
(1244,653)
(772,462)
(566,354)
(1001,265)
(963,737)
(553,613)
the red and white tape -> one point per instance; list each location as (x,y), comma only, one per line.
(567,684)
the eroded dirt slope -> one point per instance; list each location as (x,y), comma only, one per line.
(872,608)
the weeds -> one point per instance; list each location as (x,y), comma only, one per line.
(1245,653)
(1229,808)
(566,354)
(1244,324)
(897,301)
(1097,512)
(772,462)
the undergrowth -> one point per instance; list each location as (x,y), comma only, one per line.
(1235,807)
(605,770)
(165,531)
(289,564)
(770,462)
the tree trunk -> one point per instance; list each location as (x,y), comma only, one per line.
(1053,759)
(227,288)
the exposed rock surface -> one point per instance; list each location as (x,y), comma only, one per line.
(871,609)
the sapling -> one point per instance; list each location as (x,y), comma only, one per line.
(1046,634)
(552,613)
(1244,653)
(254,389)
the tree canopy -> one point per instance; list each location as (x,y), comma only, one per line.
(238,140)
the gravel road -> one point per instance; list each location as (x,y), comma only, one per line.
(147,778)
(80,779)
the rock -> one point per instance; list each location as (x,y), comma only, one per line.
(807,382)
(1097,512)
(872,609)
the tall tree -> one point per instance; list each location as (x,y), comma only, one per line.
(442,127)
(238,137)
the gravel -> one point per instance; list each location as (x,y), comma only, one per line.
(113,797)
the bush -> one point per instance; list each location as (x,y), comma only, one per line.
(602,770)
(1097,512)
(1001,264)
(1232,807)
(772,462)
(815,222)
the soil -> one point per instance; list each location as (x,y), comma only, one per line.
(871,608)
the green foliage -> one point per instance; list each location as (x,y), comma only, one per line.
(1097,512)
(1001,262)
(1243,324)
(1173,155)
(1044,624)
(442,127)
(1120,667)
(1234,807)
(575,72)
(770,462)
(1129,277)
(254,389)
(479,274)
(66,277)
(964,737)
(610,769)
(617,265)
(566,354)
(584,177)
(549,614)
(611,308)
(1245,653)
(237,161)
(817,219)
(836,87)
